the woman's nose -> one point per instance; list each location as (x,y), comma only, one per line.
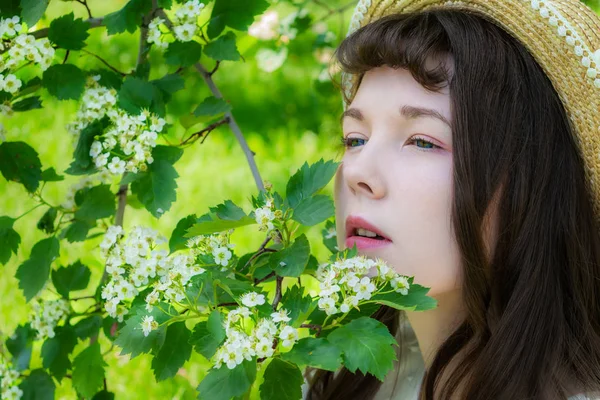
(363,174)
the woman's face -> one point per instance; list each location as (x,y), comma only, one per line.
(396,181)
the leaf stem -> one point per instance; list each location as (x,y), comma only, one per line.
(28,211)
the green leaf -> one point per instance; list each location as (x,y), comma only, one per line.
(415,300)
(50,175)
(88,371)
(184,54)
(228,211)
(46,223)
(174,353)
(20,345)
(315,352)
(178,241)
(68,279)
(68,32)
(211,106)
(33,273)
(98,202)
(131,339)
(128,18)
(237,14)
(82,161)
(19,162)
(104,395)
(329,234)
(64,81)
(291,261)
(296,303)
(155,187)
(56,350)
(77,231)
(225,383)
(37,386)
(168,85)
(10,8)
(223,49)
(367,346)
(314,210)
(88,327)
(209,335)
(136,94)
(29,103)
(9,239)
(212,222)
(33,10)
(108,78)
(282,381)
(308,180)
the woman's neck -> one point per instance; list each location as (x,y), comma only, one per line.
(432,327)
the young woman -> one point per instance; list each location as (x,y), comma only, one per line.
(472,141)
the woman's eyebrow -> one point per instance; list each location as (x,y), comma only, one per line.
(410,112)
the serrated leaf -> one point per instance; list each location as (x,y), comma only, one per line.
(33,10)
(237,14)
(82,161)
(209,335)
(296,303)
(178,241)
(19,162)
(211,223)
(228,211)
(315,352)
(128,18)
(68,279)
(108,78)
(77,231)
(366,345)
(37,386)
(19,344)
(131,339)
(69,33)
(46,223)
(329,234)
(29,103)
(183,54)
(50,175)
(291,261)
(314,210)
(308,180)
(223,49)
(64,81)
(168,85)
(34,272)
(282,381)
(136,94)
(10,8)
(56,351)
(174,352)
(212,106)
(156,187)
(98,202)
(9,239)
(87,327)
(415,300)
(88,371)
(224,383)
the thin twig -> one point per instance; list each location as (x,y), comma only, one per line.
(215,68)
(193,137)
(338,10)
(277,297)
(258,252)
(104,62)
(232,122)
(233,303)
(84,3)
(269,276)
(313,326)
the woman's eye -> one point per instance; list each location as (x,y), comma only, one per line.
(351,142)
(423,143)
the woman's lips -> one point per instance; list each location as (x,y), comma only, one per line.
(364,243)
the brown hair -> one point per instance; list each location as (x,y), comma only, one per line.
(532,329)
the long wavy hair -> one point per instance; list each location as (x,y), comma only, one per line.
(532,329)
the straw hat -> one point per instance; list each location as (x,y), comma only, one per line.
(562,35)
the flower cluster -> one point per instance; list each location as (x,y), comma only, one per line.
(135,262)
(343,283)
(46,314)
(127,144)
(249,336)
(9,388)
(217,245)
(267,27)
(20,47)
(185,24)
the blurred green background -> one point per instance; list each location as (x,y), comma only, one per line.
(288,116)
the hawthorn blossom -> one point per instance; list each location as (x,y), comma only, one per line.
(252,299)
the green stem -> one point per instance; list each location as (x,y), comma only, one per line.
(28,211)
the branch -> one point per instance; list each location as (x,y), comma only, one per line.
(206,130)
(277,297)
(84,3)
(313,326)
(206,75)
(94,23)
(104,62)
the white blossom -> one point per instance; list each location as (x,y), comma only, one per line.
(280,316)
(148,324)
(252,299)
(267,27)
(289,336)
(46,314)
